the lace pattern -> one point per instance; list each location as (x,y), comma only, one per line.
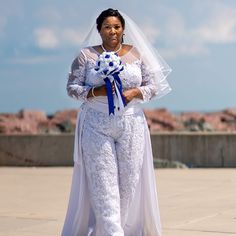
(135,75)
(148,87)
(112,148)
(76,86)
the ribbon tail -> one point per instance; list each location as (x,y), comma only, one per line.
(118,98)
(109,96)
(119,87)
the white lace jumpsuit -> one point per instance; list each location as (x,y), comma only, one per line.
(112,146)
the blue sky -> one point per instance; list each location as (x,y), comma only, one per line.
(38,40)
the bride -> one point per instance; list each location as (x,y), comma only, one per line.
(113,190)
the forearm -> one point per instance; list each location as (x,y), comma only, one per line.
(138,93)
(148,91)
(97,91)
(130,94)
(101,91)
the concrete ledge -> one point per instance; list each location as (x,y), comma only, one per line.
(199,149)
(192,149)
(36,150)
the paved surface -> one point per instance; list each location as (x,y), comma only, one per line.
(193,202)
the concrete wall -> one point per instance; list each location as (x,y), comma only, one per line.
(197,149)
(36,150)
(193,149)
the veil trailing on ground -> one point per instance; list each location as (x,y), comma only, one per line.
(156,65)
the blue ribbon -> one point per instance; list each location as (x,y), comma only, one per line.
(110,99)
(119,85)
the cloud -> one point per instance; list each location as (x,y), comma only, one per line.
(72,36)
(152,32)
(49,14)
(220,27)
(184,50)
(180,39)
(51,38)
(60,25)
(216,25)
(46,38)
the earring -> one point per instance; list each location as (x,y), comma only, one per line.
(122,39)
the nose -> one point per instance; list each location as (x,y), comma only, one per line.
(113,31)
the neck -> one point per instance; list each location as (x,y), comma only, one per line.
(111,48)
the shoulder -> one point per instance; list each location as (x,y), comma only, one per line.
(96,48)
(84,53)
(126,48)
(81,57)
(91,52)
(85,50)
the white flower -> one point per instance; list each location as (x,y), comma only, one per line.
(108,63)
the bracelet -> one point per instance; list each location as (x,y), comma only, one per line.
(92,91)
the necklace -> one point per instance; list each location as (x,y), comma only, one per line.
(114,51)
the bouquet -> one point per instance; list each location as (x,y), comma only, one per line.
(109,66)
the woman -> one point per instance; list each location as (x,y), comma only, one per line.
(113,188)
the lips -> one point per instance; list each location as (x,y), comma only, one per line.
(113,38)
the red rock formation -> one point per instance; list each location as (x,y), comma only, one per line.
(37,122)
(230,112)
(24,122)
(61,121)
(162,120)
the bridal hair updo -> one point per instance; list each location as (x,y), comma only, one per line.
(107,13)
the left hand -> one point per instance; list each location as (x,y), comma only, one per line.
(130,94)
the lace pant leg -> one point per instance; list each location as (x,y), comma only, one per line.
(99,156)
(130,150)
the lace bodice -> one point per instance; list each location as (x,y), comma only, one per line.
(83,76)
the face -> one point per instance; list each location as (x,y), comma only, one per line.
(111,31)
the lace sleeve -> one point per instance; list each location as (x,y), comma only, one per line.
(148,87)
(76,87)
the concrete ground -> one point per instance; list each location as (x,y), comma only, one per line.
(193,202)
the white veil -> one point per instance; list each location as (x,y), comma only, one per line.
(149,55)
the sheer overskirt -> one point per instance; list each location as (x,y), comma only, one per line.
(144,214)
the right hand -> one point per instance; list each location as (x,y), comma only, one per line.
(100,91)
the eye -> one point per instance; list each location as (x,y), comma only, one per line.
(117,27)
(106,27)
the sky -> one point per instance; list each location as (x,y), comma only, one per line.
(40,38)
